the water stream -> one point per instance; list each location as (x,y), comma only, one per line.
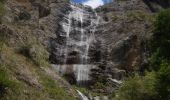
(77,31)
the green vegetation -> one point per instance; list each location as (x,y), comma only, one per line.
(35,52)
(52,87)
(16,74)
(139,16)
(5,82)
(138,88)
(18,69)
(160,43)
(2,9)
(154,85)
(163,77)
(160,59)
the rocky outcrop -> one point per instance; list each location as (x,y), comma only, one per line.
(74,36)
(119,39)
(122,33)
(121,42)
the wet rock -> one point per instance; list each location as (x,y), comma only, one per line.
(74,35)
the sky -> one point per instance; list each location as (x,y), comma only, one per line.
(92,3)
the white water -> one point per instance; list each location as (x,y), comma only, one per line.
(80,71)
(83,22)
(83,97)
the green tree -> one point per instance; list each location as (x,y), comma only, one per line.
(160,43)
(163,84)
(160,59)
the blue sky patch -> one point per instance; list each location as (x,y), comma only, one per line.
(92,3)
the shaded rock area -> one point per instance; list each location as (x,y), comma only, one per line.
(157,5)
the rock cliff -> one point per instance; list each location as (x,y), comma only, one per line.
(35,34)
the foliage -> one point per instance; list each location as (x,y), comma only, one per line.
(163,86)
(138,88)
(160,57)
(160,43)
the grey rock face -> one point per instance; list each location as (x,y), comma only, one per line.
(74,36)
(118,43)
(121,36)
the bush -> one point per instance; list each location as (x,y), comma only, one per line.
(163,86)
(138,88)
(160,58)
(160,43)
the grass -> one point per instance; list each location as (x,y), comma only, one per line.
(137,15)
(52,87)
(5,83)
(15,89)
(27,53)
(2,8)
(35,52)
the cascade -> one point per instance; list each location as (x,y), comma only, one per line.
(83,97)
(76,31)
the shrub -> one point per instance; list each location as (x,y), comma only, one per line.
(163,86)
(160,57)
(138,88)
(160,42)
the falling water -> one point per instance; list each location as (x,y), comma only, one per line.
(83,97)
(77,29)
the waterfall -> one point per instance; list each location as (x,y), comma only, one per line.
(83,97)
(76,34)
